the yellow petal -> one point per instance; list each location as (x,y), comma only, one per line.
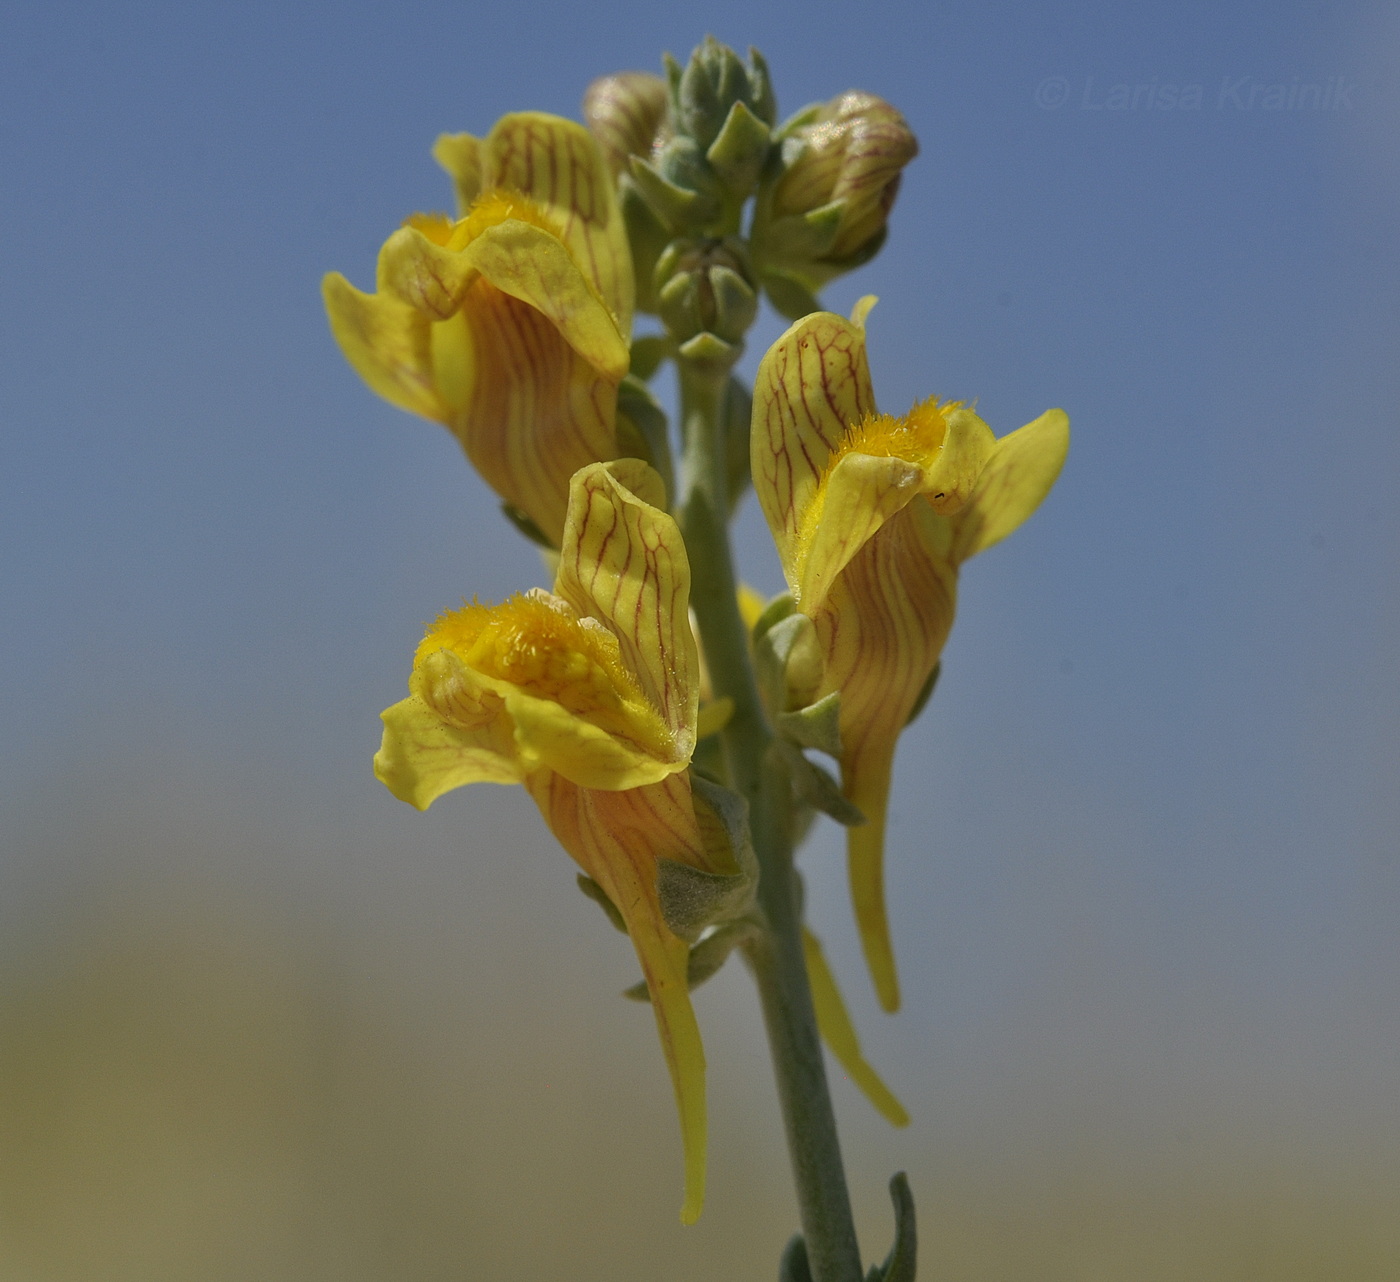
(751,604)
(460,155)
(840,1035)
(1012,485)
(557,164)
(422,756)
(881,631)
(714,717)
(388,343)
(623,562)
(532,411)
(617,838)
(511,325)
(532,265)
(528,371)
(864,305)
(560,681)
(813,384)
(968,445)
(877,468)
(861,493)
(586,754)
(430,277)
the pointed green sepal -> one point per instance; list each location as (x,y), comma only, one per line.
(815,787)
(735,304)
(674,205)
(775,611)
(738,154)
(674,73)
(707,957)
(647,235)
(818,725)
(678,303)
(723,815)
(788,660)
(765,102)
(900,1263)
(708,349)
(713,950)
(799,120)
(692,899)
(803,236)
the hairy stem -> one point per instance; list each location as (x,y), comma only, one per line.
(775,955)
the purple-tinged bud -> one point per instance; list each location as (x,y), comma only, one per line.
(851,153)
(626,113)
(824,210)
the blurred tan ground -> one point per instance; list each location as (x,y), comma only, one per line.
(209,1072)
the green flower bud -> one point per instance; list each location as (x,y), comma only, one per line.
(706,287)
(703,94)
(826,208)
(627,114)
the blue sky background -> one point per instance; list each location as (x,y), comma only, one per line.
(1145,873)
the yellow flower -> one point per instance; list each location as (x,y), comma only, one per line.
(873,516)
(588,696)
(510,324)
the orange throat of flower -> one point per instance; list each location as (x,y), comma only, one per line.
(538,644)
(490,209)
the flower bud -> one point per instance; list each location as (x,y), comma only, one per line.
(713,81)
(626,113)
(826,209)
(706,287)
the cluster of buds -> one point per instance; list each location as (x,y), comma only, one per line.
(688,152)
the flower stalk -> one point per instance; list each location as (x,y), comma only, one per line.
(774,952)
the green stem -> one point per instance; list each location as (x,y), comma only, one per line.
(775,955)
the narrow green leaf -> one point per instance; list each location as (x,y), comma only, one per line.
(793,1266)
(899,1265)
